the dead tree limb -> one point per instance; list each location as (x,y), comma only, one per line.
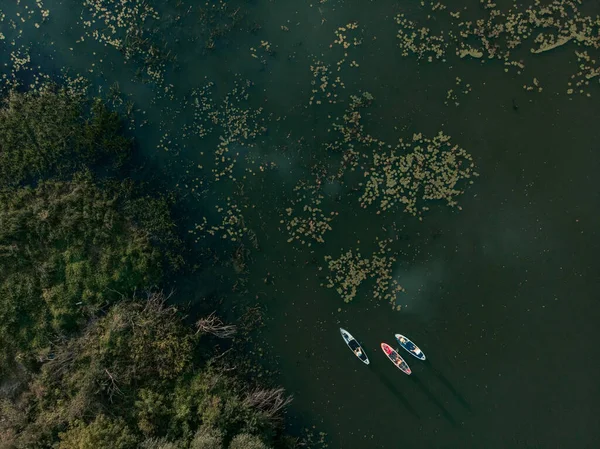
(113,387)
(213,325)
(269,401)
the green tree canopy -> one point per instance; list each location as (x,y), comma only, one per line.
(86,362)
(138,362)
(68,249)
(54,132)
(207,437)
(247,441)
(102,433)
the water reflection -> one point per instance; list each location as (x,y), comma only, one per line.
(401,398)
(433,399)
(448,385)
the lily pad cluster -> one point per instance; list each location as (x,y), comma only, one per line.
(216,20)
(534,87)
(22,16)
(235,125)
(26,11)
(233,120)
(346,38)
(232,226)
(408,173)
(461,88)
(327,82)
(350,270)
(306,221)
(353,142)
(262,51)
(589,71)
(415,171)
(351,127)
(500,34)
(324,86)
(126,25)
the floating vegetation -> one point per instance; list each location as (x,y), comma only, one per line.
(342,39)
(264,50)
(350,270)
(232,226)
(24,13)
(324,86)
(419,40)
(233,120)
(353,141)
(203,105)
(216,20)
(312,438)
(20,59)
(118,23)
(346,42)
(21,17)
(167,143)
(534,87)
(589,71)
(305,221)
(410,172)
(418,170)
(500,34)
(75,86)
(326,82)
(350,127)
(453,94)
(127,25)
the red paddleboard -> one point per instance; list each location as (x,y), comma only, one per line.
(395,358)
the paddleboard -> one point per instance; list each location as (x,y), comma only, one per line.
(354,346)
(410,346)
(395,358)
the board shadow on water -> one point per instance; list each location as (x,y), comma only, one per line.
(433,399)
(401,398)
(443,380)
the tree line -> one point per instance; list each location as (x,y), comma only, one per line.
(93,353)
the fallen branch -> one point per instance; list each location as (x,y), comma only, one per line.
(213,325)
(271,401)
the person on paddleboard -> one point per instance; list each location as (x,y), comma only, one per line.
(409,345)
(398,361)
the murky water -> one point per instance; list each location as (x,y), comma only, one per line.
(502,296)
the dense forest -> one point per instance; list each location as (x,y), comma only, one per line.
(94,354)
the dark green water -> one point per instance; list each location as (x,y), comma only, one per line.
(502,296)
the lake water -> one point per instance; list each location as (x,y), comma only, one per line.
(502,295)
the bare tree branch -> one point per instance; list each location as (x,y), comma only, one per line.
(113,388)
(270,401)
(213,325)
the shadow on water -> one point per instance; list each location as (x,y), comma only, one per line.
(433,399)
(448,385)
(397,395)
